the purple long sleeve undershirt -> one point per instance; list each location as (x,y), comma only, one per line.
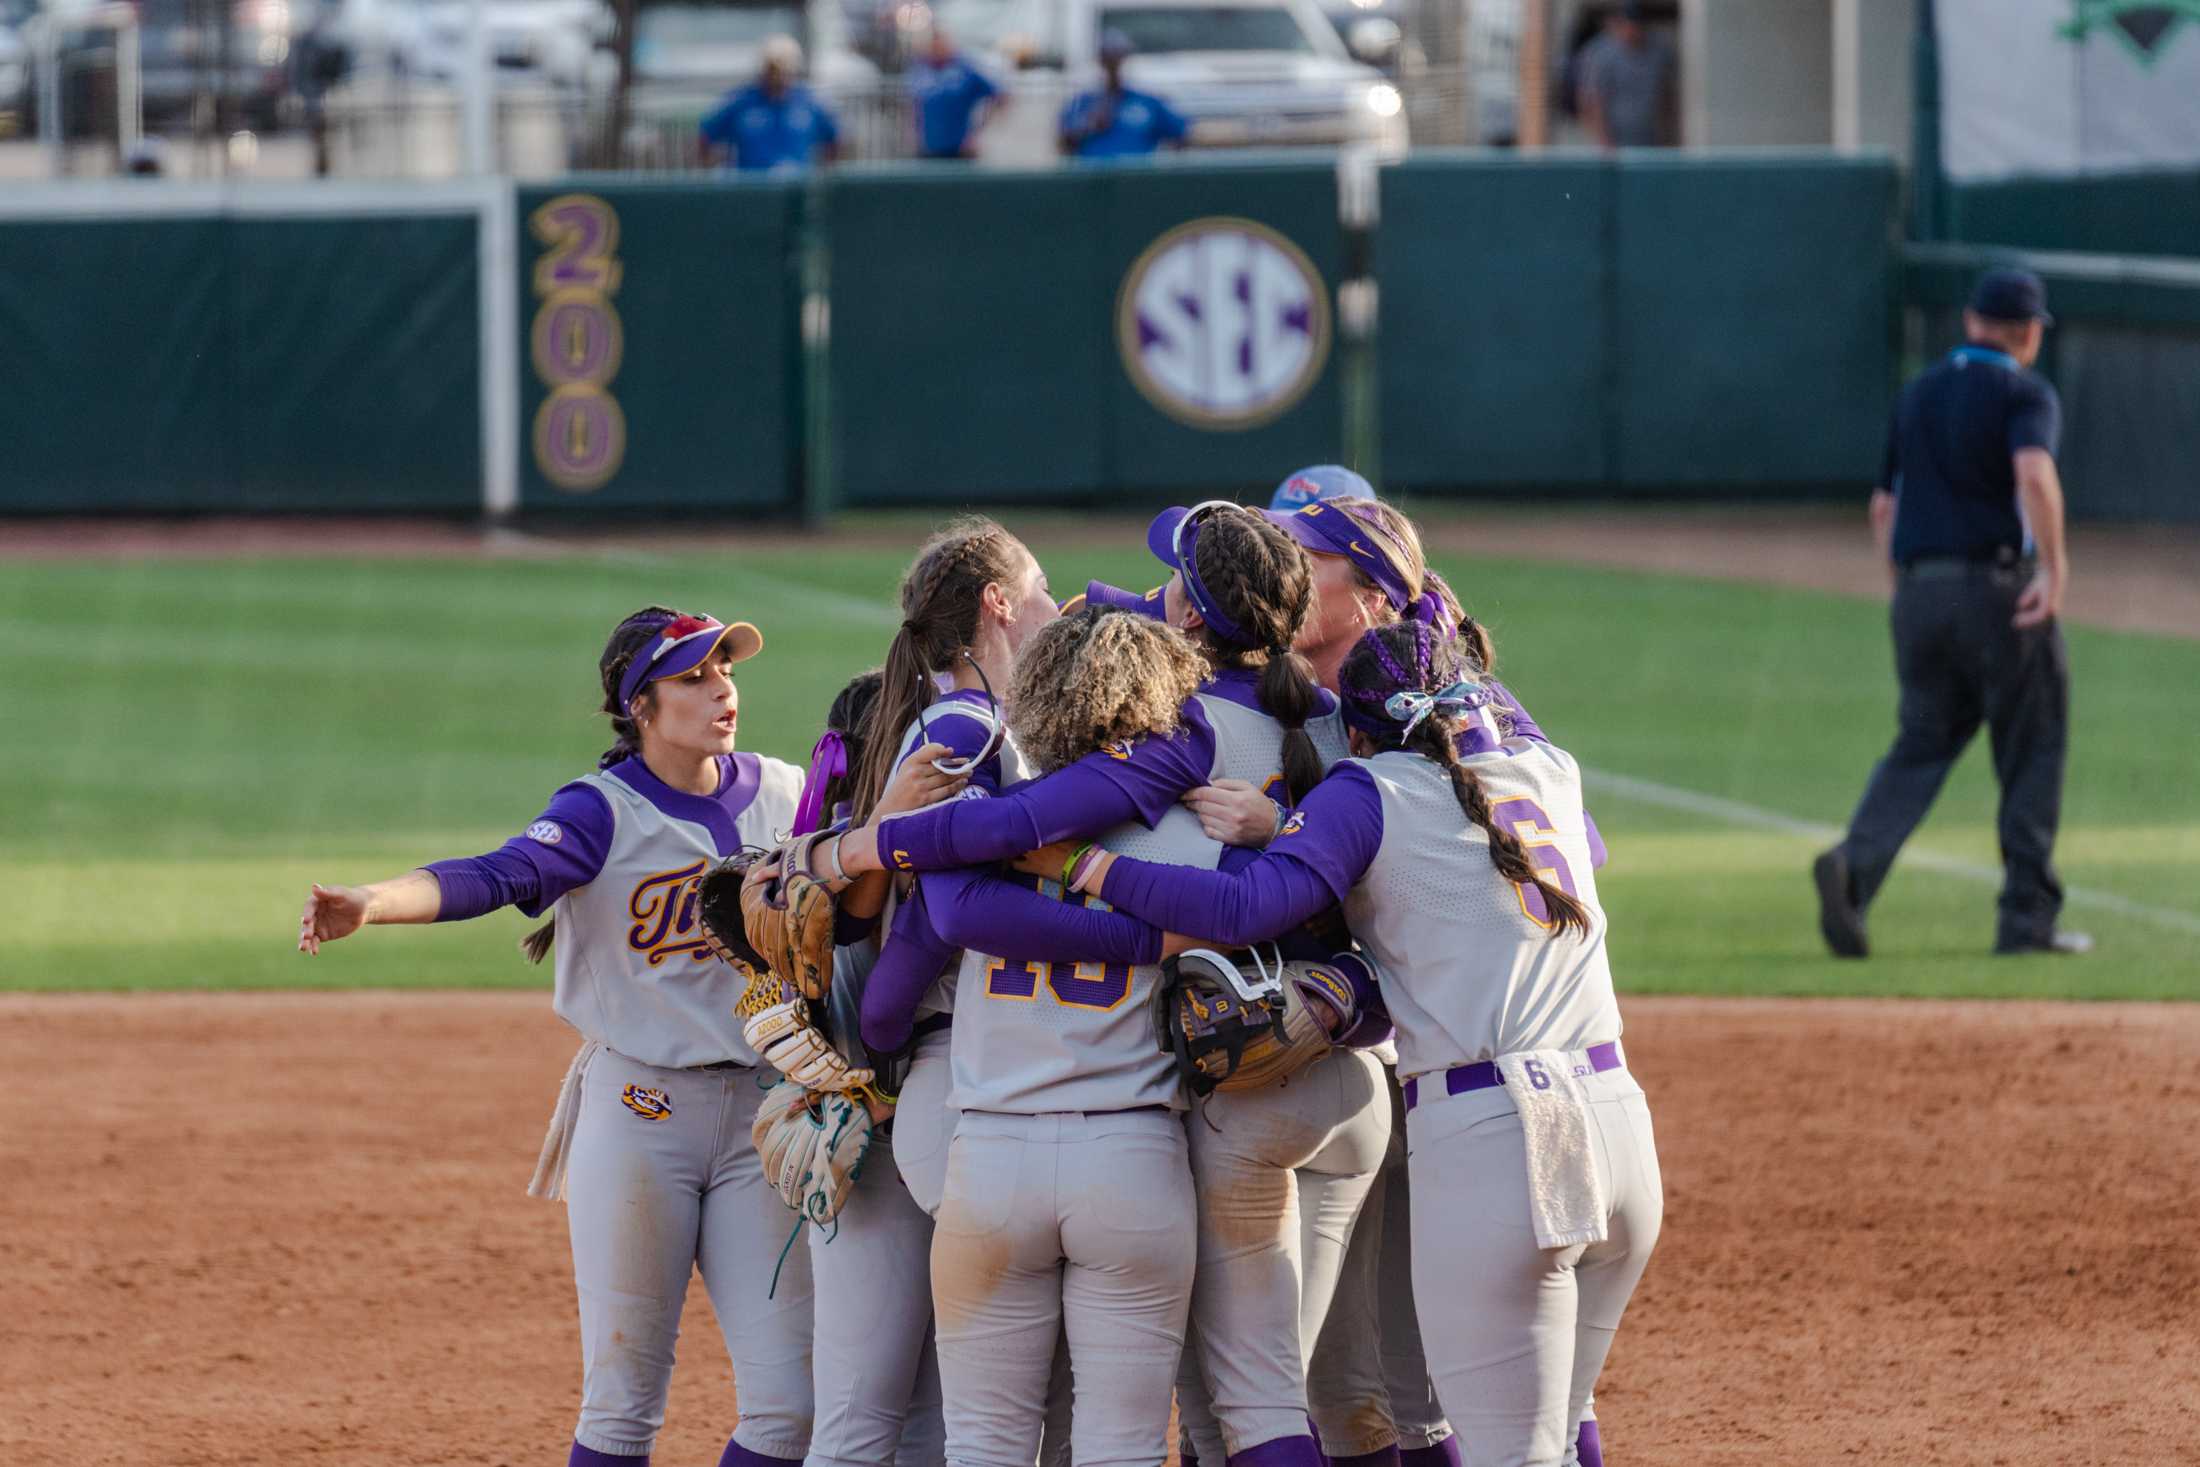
(562,849)
(1327,847)
(951,910)
(1138,781)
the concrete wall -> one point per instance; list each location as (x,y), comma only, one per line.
(1757,73)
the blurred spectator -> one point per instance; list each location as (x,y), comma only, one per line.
(323,61)
(1114,121)
(144,160)
(774,123)
(952,97)
(1626,84)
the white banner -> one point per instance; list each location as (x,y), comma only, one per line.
(2067,86)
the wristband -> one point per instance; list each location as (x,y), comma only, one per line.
(1088,860)
(1279,825)
(1069,867)
(840,872)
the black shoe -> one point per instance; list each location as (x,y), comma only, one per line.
(1840,919)
(2068,943)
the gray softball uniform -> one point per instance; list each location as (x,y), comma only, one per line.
(660,1177)
(1281,1175)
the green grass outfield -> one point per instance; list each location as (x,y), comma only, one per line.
(187,744)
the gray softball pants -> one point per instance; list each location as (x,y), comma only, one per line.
(662,1180)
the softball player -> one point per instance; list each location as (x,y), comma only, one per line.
(650,1144)
(970,599)
(1466,868)
(1281,1177)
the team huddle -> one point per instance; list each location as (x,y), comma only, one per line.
(1190,999)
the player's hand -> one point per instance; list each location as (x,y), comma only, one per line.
(1048,861)
(2040,602)
(1234,812)
(918,783)
(331,912)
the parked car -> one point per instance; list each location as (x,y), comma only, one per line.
(1245,72)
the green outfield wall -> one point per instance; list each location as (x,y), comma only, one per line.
(213,361)
(1715,325)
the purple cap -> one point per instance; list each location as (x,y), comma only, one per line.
(1115,598)
(1172,537)
(1323,529)
(1312,485)
(682,645)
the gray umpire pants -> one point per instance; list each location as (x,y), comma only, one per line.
(1962,664)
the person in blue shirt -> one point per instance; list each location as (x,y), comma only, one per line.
(1114,121)
(1969,508)
(774,123)
(953,99)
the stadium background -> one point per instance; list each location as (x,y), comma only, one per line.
(1636,401)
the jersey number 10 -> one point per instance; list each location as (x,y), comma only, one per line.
(1080,985)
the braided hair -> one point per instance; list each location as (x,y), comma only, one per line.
(1410,656)
(940,601)
(1263,581)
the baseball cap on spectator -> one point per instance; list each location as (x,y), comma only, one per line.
(1322,481)
(2011,295)
(1115,598)
(783,51)
(684,644)
(1114,43)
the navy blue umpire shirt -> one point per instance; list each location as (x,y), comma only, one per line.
(1956,428)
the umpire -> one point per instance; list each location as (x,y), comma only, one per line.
(1970,510)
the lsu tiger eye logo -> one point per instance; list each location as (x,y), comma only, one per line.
(1120,749)
(1294,824)
(649,1104)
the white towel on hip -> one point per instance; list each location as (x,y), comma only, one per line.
(1566,1197)
(557,1142)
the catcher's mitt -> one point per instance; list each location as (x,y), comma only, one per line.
(1234,1029)
(788,918)
(812,1147)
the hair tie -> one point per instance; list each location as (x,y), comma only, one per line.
(828,762)
(1412,706)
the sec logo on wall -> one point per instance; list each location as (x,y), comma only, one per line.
(1223,323)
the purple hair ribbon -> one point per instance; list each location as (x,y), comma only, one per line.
(828,762)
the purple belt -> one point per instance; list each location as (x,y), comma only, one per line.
(1482,1076)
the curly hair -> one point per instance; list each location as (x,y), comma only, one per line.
(1097,677)
(1411,656)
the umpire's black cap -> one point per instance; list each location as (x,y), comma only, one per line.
(2011,295)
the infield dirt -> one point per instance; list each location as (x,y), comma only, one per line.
(292,1229)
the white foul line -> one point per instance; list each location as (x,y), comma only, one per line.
(1734,812)
(1648,791)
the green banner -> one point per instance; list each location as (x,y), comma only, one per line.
(658,348)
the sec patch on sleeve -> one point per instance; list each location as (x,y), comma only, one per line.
(546,831)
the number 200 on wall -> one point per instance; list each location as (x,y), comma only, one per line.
(577,342)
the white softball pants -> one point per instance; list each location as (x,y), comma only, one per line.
(1071,1224)
(876,1374)
(1281,1174)
(1368,1384)
(1516,1334)
(663,1179)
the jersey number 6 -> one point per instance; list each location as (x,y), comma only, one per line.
(1080,985)
(1527,820)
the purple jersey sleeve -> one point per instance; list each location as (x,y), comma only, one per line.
(1006,918)
(1138,780)
(1523,726)
(909,963)
(564,848)
(1598,855)
(1325,847)
(965,736)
